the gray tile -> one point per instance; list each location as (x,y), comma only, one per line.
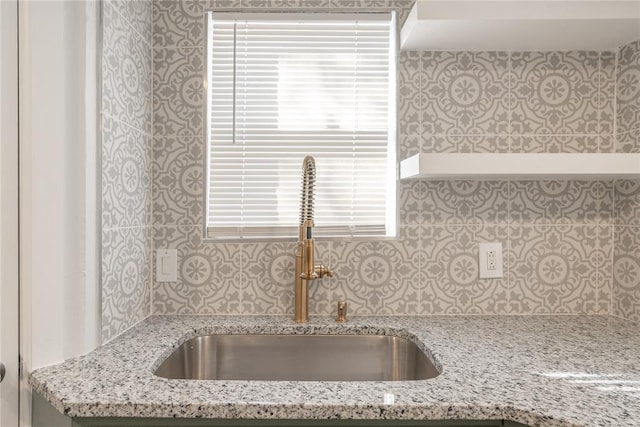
(209,274)
(178,23)
(464,202)
(607,94)
(410,201)
(554,202)
(178,91)
(553,269)
(138,13)
(126,69)
(378,277)
(555,93)
(628,142)
(368,4)
(268,279)
(410,100)
(480,143)
(126,176)
(466,93)
(628,88)
(268,4)
(178,180)
(627,202)
(555,143)
(606,200)
(626,273)
(604,278)
(126,279)
(606,144)
(449,263)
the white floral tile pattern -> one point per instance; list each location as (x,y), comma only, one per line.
(502,102)
(126,176)
(628,142)
(555,143)
(268,279)
(604,277)
(178,91)
(465,144)
(138,13)
(553,269)
(628,84)
(447,102)
(410,201)
(464,202)
(449,264)
(208,274)
(555,93)
(269,275)
(607,144)
(269,4)
(126,165)
(178,180)
(606,197)
(627,202)
(626,273)
(178,23)
(466,93)
(555,202)
(126,279)
(378,277)
(410,101)
(607,95)
(126,69)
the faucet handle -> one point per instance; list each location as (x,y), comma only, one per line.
(342,312)
(322,270)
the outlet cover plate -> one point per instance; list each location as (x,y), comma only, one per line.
(167,265)
(484,260)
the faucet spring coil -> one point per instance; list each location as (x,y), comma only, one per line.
(308,186)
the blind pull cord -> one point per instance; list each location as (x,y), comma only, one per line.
(233,118)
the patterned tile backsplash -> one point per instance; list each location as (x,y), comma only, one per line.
(626,246)
(569,247)
(126,165)
(628,84)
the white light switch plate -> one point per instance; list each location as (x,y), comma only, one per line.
(167,265)
(490,260)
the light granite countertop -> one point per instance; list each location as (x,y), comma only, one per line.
(537,370)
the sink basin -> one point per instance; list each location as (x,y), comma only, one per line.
(298,358)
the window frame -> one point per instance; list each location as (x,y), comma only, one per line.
(392,129)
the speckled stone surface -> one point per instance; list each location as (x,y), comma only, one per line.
(540,371)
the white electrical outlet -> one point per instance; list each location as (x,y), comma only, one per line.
(490,260)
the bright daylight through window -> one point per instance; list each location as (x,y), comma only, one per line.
(281,86)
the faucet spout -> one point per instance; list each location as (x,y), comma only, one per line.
(306,269)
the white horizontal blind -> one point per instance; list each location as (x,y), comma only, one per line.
(285,87)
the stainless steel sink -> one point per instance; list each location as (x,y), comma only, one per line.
(298,358)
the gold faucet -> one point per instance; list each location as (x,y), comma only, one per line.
(306,269)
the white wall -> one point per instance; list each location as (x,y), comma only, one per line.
(58,141)
(9,212)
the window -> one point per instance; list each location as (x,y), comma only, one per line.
(282,86)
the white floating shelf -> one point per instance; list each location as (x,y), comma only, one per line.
(521,25)
(521,166)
